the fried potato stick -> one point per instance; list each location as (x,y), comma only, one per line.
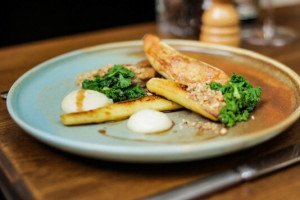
(119,110)
(176,92)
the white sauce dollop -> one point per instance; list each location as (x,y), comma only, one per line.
(149,121)
(84,100)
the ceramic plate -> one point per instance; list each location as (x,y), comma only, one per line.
(34,103)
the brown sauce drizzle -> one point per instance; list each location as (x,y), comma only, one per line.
(79,100)
(193,140)
(102,131)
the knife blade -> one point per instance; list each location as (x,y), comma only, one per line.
(4,95)
(258,167)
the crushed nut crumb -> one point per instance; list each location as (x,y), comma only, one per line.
(143,72)
(223,131)
(204,126)
(210,100)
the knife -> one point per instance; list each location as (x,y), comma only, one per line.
(261,166)
(4,95)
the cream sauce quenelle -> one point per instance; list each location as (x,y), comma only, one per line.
(149,121)
(84,100)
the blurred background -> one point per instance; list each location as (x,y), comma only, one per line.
(26,21)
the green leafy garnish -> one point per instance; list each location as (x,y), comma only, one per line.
(116,84)
(240,97)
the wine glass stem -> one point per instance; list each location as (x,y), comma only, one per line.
(268,24)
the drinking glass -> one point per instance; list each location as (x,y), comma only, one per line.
(269,34)
(179,17)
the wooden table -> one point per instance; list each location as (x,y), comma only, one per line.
(32,170)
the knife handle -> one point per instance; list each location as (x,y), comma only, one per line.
(201,187)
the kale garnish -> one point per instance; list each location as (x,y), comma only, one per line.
(116,84)
(240,97)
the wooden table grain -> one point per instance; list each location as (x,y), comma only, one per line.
(32,170)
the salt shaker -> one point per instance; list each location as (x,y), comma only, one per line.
(220,24)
